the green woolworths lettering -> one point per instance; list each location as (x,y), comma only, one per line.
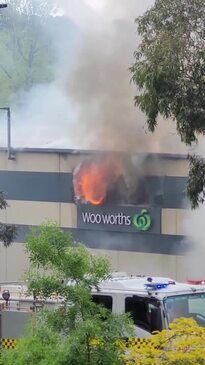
(142,221)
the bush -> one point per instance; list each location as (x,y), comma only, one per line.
(182,344)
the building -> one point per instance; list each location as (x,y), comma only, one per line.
(142,235)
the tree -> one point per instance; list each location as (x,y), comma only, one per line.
(26,53)
(182,344)
(196,181)
(169,70)
(80,331)
(7,231)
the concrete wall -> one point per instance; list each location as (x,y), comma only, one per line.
(39,187)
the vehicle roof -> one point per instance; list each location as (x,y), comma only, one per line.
(19,292)
(148,286)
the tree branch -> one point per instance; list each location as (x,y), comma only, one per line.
(6,72)
(196,181)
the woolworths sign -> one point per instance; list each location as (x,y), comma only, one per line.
(133,219)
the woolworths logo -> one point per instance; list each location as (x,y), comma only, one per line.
(141,221)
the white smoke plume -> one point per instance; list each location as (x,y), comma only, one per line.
(99,84)
(194,228)
(90,102)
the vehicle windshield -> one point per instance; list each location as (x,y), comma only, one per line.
(192,305)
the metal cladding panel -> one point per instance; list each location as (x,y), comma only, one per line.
(162,191)
(122,241)
(37,186)
(13,323)
(133,242)
(175,192)
(119,218)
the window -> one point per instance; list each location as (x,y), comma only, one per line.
(144,313)
(192,305)
(105,300)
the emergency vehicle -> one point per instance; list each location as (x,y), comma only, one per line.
(153,303)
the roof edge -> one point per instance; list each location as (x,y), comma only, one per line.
(169,156)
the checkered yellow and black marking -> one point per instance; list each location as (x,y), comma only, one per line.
(138,342)
(8,343)
(128,342)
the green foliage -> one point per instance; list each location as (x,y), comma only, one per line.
(44,347)
(182,344)
(196,181)
(25,47)
(79,331)
(66,258)
(7,231)
(169,66)
(7,234)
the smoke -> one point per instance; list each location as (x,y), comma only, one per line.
(90,102)
(193,228)
(112,178)
(99,84)
(194,262)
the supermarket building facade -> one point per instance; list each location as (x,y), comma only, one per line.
(143,236)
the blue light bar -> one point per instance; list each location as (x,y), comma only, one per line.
(156,286)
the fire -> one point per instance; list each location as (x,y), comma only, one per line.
(93,178)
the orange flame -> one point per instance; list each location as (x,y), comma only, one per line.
(92,180)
